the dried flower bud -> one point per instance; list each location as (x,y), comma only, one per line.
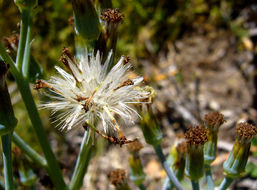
(180,160)
(195,137)
(135,147)
(111,20)
(137,174)
(245,132)
(117,177)
(213,122)
(112,15)
(235,164)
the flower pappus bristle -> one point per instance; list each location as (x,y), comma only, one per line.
(89,92)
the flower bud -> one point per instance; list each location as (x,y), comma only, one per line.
(111,19)
(86,19)
(118,179)
(148,122)
(150,128)
(235,164)
(213,122)
(196,137)
(180,160)
(137,174)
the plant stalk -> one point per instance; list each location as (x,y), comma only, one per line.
(30,152)
(25,16)
(209,179)
(7,160)
(26,58)
(82,162)
(141,186)
(4,130)
(195,185)
(225,183)
(166,167)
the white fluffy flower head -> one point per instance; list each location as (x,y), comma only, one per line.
(90,93)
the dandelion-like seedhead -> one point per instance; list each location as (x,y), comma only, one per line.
(90,93)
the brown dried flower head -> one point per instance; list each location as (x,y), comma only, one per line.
(135,146)
(112,15)
(196,135)
(246,130)
(117,176)
(214,119)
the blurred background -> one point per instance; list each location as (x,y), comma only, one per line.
(199,55)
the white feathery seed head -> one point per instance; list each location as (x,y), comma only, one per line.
(90,93)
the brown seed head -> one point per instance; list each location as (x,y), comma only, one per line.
(214,119)
(117,176)
(246,130)
(196,135)
(135,146)
(112,15)
(182,148)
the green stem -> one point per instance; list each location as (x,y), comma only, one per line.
(195,185)
(225,183)
(4,130)
(82,162)
(209,179)
(25,64)
(141,186)
(166,184)
(4,55)
(54,169)
(166,167)
(30,152)
(7,159)
(25,15)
